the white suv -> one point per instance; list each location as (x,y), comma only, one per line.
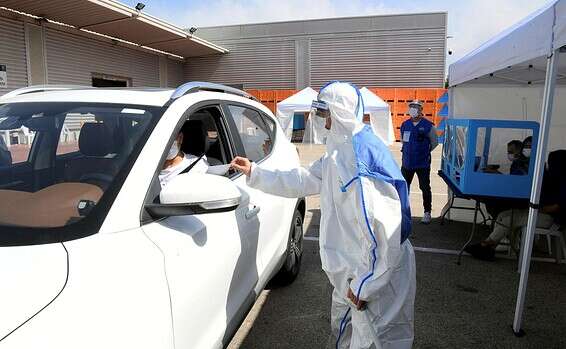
(94,254)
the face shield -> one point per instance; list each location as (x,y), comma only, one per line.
(414,112)
(320,109)
(415,109)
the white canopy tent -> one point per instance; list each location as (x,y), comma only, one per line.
(300,102)
(375,107)
(380,116)
(516,75)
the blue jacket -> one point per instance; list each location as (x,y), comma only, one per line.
(416,152)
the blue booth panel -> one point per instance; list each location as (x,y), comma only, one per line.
(475,157)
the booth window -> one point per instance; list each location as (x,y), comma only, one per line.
(461,134)
(492,151)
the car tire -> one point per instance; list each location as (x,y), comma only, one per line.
(293,257)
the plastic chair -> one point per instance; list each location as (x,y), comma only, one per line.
(552,232)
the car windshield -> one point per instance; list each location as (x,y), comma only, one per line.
(59,160)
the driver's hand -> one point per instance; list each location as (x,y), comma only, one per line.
(241,164)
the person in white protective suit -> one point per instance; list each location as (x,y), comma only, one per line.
(364,228)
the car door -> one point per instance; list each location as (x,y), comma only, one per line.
(256,136)
(210,262)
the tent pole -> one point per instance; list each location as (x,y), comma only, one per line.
(546,116)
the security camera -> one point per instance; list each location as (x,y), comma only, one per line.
(140,6)
(450,52)
(192,30)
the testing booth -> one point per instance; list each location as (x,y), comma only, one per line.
(518,76)
(475,158)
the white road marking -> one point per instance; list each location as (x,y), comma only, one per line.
(456,252)
(435,250)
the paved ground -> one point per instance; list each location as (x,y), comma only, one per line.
(457,306)
(20,152)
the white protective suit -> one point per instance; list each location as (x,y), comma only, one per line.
(364,214)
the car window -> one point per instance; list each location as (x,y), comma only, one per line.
(15,145)
(69,136)
(80,151)
(255,133)
(217,144)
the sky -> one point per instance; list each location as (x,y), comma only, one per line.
(470,22)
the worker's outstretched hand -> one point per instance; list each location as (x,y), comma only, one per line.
(242,164)
(360,304)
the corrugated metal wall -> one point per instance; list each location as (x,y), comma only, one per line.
(257,64)
(13,53)
(406,50)
(72,59)
(175,73)
(392,59)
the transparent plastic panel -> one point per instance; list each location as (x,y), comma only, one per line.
(448,144)
(501,151)
(460,139)
(481,158)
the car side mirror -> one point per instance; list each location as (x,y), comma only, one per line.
(189,194)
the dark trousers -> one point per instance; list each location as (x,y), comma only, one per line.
(424,184)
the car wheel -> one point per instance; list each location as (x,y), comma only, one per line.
(292,264)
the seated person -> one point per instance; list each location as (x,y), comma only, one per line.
(5,155)
(553,209)
(527,146)
(519,166)
(520,163)
(177,161)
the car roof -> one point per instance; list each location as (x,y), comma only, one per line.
(137,96)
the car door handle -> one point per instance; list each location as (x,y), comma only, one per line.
(252,212)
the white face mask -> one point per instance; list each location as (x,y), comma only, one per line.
(173,151)
(527,152)
(511,157)
(414,112)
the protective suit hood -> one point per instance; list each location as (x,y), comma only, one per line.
(346,109)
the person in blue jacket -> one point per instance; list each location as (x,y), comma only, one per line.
(419,140)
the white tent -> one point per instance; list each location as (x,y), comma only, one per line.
(516,75)
(380,116)
(380,119)
(300,102)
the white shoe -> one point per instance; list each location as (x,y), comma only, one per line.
(503,245)
(426,218)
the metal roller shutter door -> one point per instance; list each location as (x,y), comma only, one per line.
(175,73)
(13,54)
(71,59)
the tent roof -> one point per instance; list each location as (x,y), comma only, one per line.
(517,55)
(372,102)
(111,18)
(300,101)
